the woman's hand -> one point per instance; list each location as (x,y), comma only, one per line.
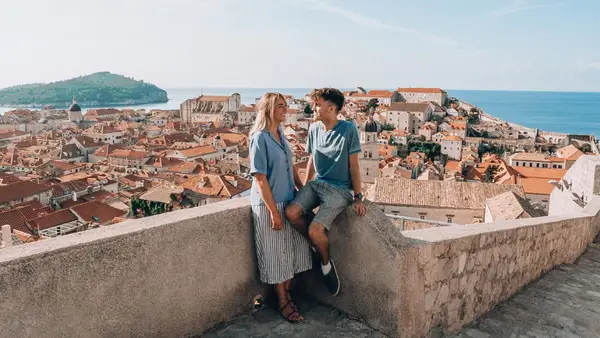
(277,221)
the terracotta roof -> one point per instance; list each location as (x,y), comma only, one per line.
(536,186)
(185,167)
(453,165)
(508,206)
(8,178)
(198,151)
(102,112)
(103,212)
(217,185)
(409,107)
(536,157)
(51,220)
(161,194)
(163,162)
(11,134)
(64,165)
(130,154)
(437,194)
(547,173)
(15,219)
(421,90)
(19,190)
(248,109)
(570,152)
(106,150)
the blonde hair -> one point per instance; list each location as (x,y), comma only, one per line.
(266,108)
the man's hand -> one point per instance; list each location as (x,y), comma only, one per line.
(277,221)
(359,207)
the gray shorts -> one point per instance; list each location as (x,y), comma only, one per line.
(330,199)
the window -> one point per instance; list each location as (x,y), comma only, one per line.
(530,164)
(537,165)
(449,219)
(422,215)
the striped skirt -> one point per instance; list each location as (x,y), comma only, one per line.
(281,253)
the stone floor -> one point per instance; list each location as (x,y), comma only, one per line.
(320,321)
(563,303)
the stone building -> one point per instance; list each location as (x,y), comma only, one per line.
(209,104)
(442,201)
(452,146)
(74,112)
(416,95)
(369,154)
(408,117)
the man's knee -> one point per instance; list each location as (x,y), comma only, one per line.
(293,212)
(316,231)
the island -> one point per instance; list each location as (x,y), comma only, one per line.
(94,90)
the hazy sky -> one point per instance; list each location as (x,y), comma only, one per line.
(462,44)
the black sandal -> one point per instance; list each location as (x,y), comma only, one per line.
(288,304)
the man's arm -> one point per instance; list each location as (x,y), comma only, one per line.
(358,206)
(310,170)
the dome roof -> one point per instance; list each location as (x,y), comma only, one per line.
(74,107)
(371,127)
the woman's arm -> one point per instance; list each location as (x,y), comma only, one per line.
(267,196)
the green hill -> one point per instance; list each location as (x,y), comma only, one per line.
(98,89)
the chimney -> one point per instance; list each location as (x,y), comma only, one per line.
(6,237)
(74,196)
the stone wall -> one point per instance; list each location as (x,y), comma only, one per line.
(469,269)
(171,275)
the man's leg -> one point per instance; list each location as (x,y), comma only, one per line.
(318,237)
(299,211)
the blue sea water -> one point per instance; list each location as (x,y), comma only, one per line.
(567,112)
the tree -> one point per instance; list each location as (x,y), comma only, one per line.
(437,118)
(373,103)
(308,110)
(490,173)
(388,126)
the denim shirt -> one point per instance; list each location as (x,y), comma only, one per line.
(274,160)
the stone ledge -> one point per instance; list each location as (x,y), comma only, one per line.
(169,275)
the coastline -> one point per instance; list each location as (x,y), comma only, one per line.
(93,105)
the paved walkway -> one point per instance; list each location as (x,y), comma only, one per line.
(320,321)
(563,303)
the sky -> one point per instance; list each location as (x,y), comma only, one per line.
(462,44)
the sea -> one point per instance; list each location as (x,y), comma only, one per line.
(565,112)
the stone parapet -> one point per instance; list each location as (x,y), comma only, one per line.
(171,275)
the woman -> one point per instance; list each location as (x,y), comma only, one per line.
(282,251)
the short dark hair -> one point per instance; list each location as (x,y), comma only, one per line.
(331,95)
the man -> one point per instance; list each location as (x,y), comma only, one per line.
(333,146)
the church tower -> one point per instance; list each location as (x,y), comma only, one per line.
(74,112)
(369,156)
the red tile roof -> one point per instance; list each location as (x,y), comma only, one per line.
(19,190)
(104,212)
(51,220)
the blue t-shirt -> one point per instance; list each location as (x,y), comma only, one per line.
(331,150)
(273,159)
